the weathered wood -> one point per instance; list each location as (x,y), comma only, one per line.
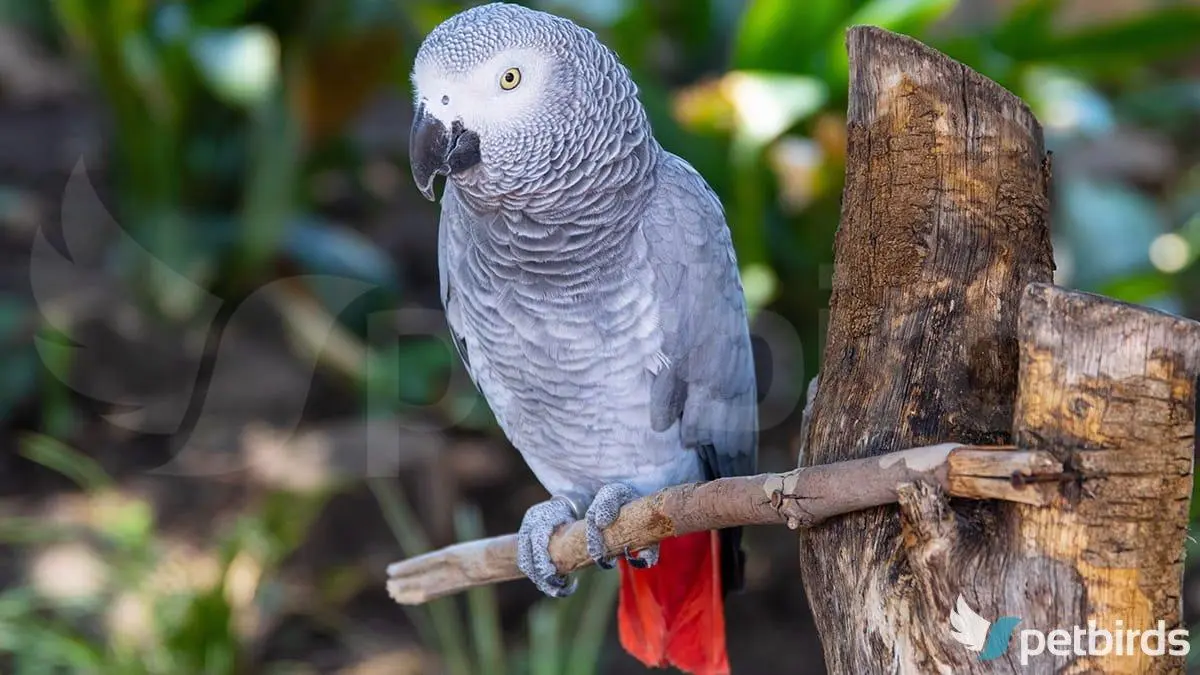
(944,222)
(943,228)
(1111,390)
(990,474)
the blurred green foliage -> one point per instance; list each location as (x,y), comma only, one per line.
(226,114)
(167,614)
(129,607)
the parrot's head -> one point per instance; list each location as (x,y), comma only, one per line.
(514,104)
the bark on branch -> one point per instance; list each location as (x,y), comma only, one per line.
(798,498)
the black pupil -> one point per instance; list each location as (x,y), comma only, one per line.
(509,77)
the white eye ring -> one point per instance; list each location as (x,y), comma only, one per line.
(511,79)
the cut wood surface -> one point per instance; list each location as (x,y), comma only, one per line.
(1110,389)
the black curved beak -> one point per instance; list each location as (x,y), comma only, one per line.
(434,150)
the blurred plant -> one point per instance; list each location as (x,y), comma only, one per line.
(565,635)
(217,107)
(107,594)
(225,113)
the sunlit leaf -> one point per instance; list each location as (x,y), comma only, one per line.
(905,16)
(768,104)
(704,107)
(241,66)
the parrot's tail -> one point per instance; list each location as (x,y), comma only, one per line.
(674,613)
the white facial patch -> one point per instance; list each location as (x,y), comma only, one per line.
(476,97)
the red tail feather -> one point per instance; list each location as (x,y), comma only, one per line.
(674,613)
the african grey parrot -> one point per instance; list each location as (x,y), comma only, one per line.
(591,287)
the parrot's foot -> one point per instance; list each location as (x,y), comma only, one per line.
(603,513)
(533,546)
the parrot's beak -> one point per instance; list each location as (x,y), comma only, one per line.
(434,150)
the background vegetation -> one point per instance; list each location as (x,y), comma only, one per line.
(256,149)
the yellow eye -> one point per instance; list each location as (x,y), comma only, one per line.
(510,79)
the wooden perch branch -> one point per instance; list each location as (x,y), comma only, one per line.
(798,498)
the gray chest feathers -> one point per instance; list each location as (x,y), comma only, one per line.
(561,330)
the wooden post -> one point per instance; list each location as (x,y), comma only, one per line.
(944,224)
(1111,390)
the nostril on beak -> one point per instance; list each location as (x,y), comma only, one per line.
(445,100)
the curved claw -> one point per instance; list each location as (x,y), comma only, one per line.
(533,546)
(602,514)
(643,557)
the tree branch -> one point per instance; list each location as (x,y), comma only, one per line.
(799,498)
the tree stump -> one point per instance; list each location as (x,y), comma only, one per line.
(1110,389)
(944,225)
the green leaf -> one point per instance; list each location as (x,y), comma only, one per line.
(544,654)
(585,648)
(270,197)
(1138,288)
(482,610)
(49,648)
(220,13)
(1029,22)
(14,530)
(903,16)
(438,622)
(203,639)
(1155,34)
(53,454)
(786,35)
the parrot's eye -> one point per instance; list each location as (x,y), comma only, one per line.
(510,79)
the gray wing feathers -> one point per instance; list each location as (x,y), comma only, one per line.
(452,217)
(708,383)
